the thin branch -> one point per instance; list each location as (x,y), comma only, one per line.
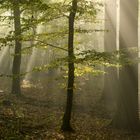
(54,46)
(51,45)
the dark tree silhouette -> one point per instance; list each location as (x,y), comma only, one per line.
(17,57)
(66,126)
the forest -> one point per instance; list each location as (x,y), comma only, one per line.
(77,79)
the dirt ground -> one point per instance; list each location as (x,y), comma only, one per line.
(37,115)
(30,118)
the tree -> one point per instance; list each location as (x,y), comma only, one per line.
(23,22)
(66,126)
(127,107)
(17,56)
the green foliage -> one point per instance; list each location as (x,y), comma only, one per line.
(37,12)
(88,9)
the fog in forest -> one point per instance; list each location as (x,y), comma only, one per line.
(69,70)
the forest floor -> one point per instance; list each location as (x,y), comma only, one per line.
(33,117)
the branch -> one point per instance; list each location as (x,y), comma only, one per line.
(45,44)
(51,45)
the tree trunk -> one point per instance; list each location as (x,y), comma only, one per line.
(127,112)
(66,126)
(110,42)
(17,57)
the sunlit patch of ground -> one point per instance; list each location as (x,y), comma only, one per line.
(1,91)
(27,84)
(30,118)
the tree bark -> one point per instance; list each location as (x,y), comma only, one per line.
(127,112)
(17,56)
(66,126)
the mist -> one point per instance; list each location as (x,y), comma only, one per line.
(69,70)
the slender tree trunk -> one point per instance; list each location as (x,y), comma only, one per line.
(110,42)
(17,57)
(127,112)
(66,126)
